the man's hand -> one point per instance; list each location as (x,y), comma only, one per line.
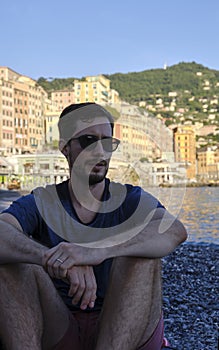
(83,286)
(73,264)
(82,282)
(59,259)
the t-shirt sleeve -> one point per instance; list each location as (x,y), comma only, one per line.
(140,205)
(25,211)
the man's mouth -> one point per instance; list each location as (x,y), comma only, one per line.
(101,163)
(97,162)
(96,165)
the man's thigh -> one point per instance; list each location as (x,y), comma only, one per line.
(36,311)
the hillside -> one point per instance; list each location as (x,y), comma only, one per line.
(141,86)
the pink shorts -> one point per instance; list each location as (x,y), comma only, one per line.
(82,332)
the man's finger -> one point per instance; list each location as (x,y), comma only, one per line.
(89,295)
(74,283)
(80,290)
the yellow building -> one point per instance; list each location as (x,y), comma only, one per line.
(185,149)
(94,89)
(90,89)
(208,164)
(8,74)
(51,129)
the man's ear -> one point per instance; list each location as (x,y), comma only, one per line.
(63,147)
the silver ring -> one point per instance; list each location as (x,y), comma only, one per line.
(60,260)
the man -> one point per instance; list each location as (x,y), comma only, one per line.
(80,260)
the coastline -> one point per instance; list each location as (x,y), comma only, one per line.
(190,296)
(192,184)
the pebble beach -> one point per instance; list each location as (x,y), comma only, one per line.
(190,296)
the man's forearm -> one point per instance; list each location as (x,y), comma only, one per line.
(156,239)
(17,248)
(149,243)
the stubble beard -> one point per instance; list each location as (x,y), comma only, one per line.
(95,178)
(92,179)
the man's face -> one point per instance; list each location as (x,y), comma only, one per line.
(91,162)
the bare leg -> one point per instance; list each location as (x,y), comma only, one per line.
(132,304)
(32,315)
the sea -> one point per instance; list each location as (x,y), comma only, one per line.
(196,207)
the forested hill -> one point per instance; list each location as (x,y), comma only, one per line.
(139,86)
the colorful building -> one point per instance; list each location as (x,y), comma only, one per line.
(208,164)
(185,149)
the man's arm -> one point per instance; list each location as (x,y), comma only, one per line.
(159,237)
(15,247)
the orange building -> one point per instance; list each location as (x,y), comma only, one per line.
(22,104)
(63,98)
(6,117)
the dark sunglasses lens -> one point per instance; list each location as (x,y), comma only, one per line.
(110,144)
(87,140)
(115,144)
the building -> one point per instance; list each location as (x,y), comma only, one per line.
(22,104)
(90,89)
(51,129)
(63,98)
(208,164)
(39,169)
(185,149)
(21,118)
(142,135)
(36,105)
(95,89)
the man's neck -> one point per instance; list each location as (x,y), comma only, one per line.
(81,196)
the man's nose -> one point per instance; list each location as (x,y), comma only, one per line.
(98,149)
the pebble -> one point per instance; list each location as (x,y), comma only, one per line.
(190,296)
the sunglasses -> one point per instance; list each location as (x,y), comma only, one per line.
(109,144)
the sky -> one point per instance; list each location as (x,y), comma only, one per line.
(68,38)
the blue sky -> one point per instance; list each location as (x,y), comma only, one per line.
(67,38)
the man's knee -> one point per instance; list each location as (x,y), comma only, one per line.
(137,266)
(16,271)
(16,276)
(138,279)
